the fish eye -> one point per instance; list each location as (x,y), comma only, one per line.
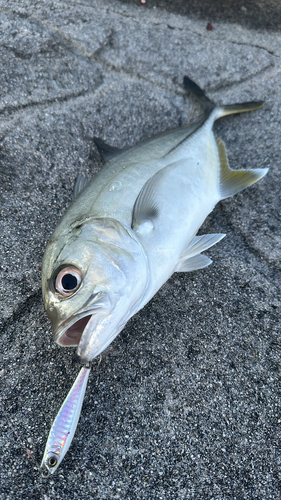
(68,281)
(52,461)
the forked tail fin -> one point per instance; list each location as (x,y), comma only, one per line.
(220,111)
(232,109)
(233,181)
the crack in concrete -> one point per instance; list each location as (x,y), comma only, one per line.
(73,45)
(174,27)
(226,86)
(10,110)
(265,49)
(146,21)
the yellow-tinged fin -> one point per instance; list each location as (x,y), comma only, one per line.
(233,181)
(232,109)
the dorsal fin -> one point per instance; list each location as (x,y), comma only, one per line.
(80,183)
(107,152)
(233,181)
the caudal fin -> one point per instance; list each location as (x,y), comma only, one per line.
(209,105)
(232,109)
(233,181)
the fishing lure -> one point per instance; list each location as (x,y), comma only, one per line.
(65,423)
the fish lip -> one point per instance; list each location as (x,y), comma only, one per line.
(82,313)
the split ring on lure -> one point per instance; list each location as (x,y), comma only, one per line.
(65,423)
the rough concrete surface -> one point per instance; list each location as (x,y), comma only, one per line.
(185,403)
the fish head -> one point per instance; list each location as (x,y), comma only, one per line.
(94,276)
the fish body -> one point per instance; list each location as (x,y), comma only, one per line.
(133,225)
(65,423)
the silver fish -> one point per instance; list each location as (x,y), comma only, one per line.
(65,423)
(133,225)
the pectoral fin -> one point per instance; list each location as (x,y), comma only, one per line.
(233,181)
(146,207)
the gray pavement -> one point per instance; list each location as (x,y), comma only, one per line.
(185,404)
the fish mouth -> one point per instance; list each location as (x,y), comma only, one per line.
(70,331)
(73,334)
(91,331)
(92,328)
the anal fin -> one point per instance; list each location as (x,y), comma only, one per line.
(191,258)
(199,244)
(233,181)
(193,263)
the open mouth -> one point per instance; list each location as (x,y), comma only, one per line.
(72,336)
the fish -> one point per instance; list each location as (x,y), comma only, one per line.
(134,224)
(65,423)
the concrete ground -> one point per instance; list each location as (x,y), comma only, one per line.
(185,403)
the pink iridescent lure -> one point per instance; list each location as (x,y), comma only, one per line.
(65,423)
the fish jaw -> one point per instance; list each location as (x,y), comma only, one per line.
(101,329)
(99,321)
(72,335)
(69,332)
(99,333)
